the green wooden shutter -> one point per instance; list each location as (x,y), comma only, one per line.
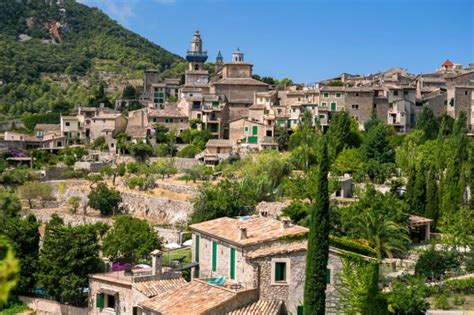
(280,271)
(333,107)
(196,248)
(254,130)
(299,310)
(232,263)
(99,300)
(328,276)
(214,255)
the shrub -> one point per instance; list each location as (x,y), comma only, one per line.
(104,199)
(408,296)
(297,212)
(189,151)
(433,264)
(74,203)
(441,302)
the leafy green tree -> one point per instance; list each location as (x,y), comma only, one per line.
(297,211)
(104,199)
(141,151)
(161,133)
(460,125)
(9,203)
(431,264)
(458,231)
(197,171)
(227,199)
(35,190)
(342,133)
(24,237)
(427,122)
(348,161)
(114,171)
(189,151)
(9,270)
(282,138)
(74,202)
(445,126)
(372,121)
(67,258)
(318,243)
(409,149)
(100,97)
(377,145)
(165,168)
(304,143)
(130,240)
(408,297)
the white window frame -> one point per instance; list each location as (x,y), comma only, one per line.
(287,269)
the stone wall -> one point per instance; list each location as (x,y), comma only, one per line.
(139,204)
(179,163)
(7,125)
(49,307)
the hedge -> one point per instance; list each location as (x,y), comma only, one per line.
(351,246)
(464,285)
(337,242)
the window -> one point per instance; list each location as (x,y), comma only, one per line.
(321,116)
(181,120)
(465,92)
(110,301)
(293,109)
(214,255)
(326,94)
(333,106)
(323,104)
(355,106)
(280,272)
(232,263)
(246,128)
(105,301)
(395,93)
(338,94)
(67,123)
(405,92)
(357,94)
(328,276)
(254,130)
(299,310)
(196,248)
(154,119)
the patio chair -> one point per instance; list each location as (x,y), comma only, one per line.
(219,281)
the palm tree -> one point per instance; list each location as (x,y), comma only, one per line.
(385,236)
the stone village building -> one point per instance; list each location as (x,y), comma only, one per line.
(260,262)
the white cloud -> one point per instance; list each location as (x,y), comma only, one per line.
(120,10)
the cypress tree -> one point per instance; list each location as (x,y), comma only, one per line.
(419,193)
(318,243)
(471,174)
(431,207)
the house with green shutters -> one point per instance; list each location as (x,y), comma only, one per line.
(262,254)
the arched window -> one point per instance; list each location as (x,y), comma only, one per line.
(196,67)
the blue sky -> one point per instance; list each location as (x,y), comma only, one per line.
(309,40)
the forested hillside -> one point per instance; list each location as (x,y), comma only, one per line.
(55,54)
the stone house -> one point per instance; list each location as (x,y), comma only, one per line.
(246,130)
(120,292)
(215,115)
(107,125)
(261,254)
(70,127)
(217,150)
(461,99)
(172,117)
(46,136)
(237,85)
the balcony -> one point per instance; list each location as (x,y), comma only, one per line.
(193,56)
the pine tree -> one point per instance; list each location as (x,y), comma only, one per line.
(431,205)
(318,243)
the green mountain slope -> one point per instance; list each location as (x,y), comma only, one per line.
(53,56)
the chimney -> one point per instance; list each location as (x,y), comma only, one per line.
(243,233)
(156,262)
(285,222)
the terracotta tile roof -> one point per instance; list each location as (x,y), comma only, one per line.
(220,143)
(259,229)
(448,63)
(136,131)
(107,116)
(284,248)
(195,297)
(240,81)
(168,111)
(257,106)
(261,307)
(151,288)
(48,127)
